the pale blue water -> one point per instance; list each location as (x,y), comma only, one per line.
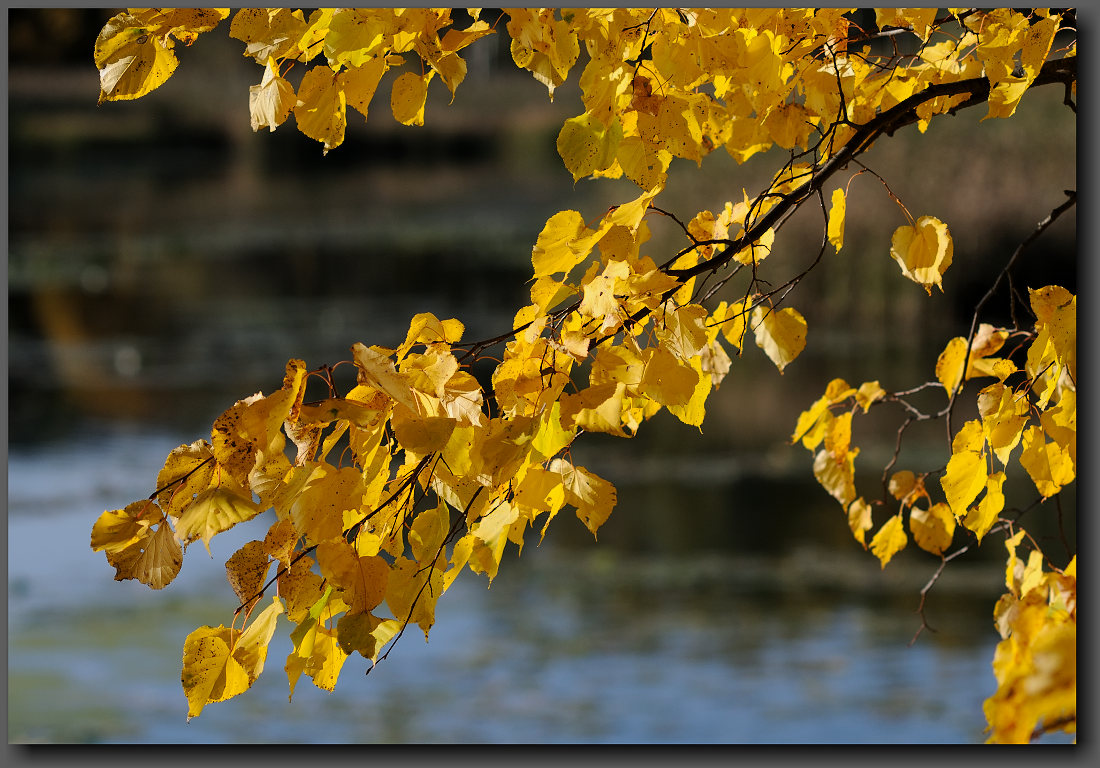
(585,644)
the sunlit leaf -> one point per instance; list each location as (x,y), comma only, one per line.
(933,528)
(889,540)
(923,251)
(246,570)
(780,333)
(213,511)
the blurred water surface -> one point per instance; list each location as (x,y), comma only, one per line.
(575,642)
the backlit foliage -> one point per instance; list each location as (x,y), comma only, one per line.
(384,492)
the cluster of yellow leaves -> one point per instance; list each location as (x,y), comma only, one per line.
(658,84)
(352,534)
(1036,661)
(1046,394)
(432,473)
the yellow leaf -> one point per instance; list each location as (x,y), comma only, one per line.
(682,330)
(917,19)
(552,252)
(246,569)
(813,423)
(359,83)
(1060,424)
(154,558)
(595,409)
(1004,414)
(495,522)
(132,58)
(118,529)
(421,435)
(210,673)
(428,532)
(981,518)
(270,102)
(599,300)
(869,392)
(780,333)
(693,412)
(250,649)
(301,588)
(377,370)
(316,650)
(902,486)
(587,145)
(328,492)
(836,219)
(666,379)
(789,125)
(188,470)
(321,109)
(934,528)
(1056,310)
(859,519)
(889,540)
(732,321)
(412,591)
(923,251)
(268,33)
(365,633)
(969,438)
(643,163)
(361,581)
(593,496)
(838,436)
(213,511)
(837,477)
(280,541)
(964,480)
(1048,465)
(408,96)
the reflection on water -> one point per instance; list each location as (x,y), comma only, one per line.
(618,641)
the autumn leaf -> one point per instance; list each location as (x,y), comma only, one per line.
(246,569)
(210,672)
(981,518)
(138,544)
(321,109)
(213,511)
(271,101)
(964,480)
(587,145)
(859,520)
(362,580)
(923,251)
(553,251)
(933,528)
(133,59)
(593,496)
(1047,464)
(268,33)
(889,540)
(188,471)
(408,96)
(780,333)
(365,634)
(835,231)
(412,591)
(666,379)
